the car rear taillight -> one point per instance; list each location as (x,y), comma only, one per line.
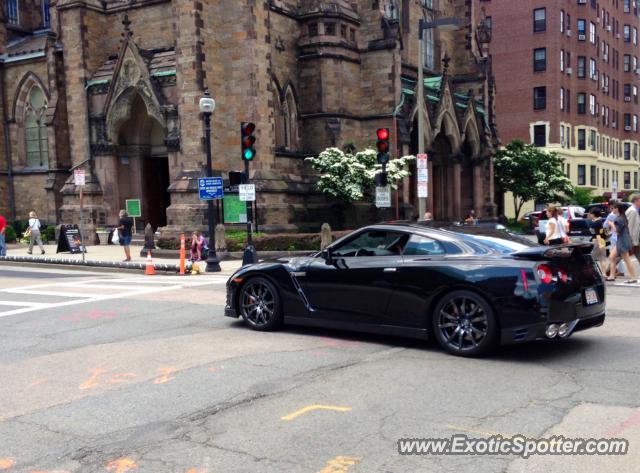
(525,283)
(562,275)
(544,273)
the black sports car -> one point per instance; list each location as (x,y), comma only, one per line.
(469,291)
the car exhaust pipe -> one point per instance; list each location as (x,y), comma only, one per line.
(552,330)
(564,331)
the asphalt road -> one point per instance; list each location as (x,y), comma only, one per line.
(119,373)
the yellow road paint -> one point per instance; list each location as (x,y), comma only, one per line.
(121,378)
(38,382)
(314,407)
(165,376)
(6,463)
(339,465)
(93,380)
(122,465)
(479,432)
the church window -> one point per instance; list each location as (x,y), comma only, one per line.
(13,12)
(36,141)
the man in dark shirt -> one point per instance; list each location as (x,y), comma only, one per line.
(3,229)
(124,233)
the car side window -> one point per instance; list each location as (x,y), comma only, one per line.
(373,243)
(420,245)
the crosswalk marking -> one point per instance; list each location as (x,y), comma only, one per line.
(116,288)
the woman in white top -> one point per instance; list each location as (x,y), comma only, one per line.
(34,237)
(556,228)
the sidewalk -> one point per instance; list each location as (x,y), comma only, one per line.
(110,256)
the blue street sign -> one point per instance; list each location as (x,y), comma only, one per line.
(210,188)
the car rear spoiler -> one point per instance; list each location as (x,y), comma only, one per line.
(557,251)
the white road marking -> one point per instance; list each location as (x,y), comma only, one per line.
(120,288)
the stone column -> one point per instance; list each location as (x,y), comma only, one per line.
(478,189)
(430,188)
(456,189)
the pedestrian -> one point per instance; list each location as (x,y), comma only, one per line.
(3,242)
(633,216)
(623,245)
(125,224)
(556,233)
(34,233)
(612,234)
(428,217)
(197,245)
(599,244)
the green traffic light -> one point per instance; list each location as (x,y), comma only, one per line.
(248,154)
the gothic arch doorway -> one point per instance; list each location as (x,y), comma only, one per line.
(143,164)
(443,187)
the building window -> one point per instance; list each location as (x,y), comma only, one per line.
(561,21)
(627,6)
(581,175)
(635,151)
(582,145)
(635,180)
(330,29)
(37,144)
(561,98)
(592,32)
(13,12)
(539,59)
(582,99)
(634,36)
(627,62)
(562,136)
(593,178)
(627,180)
(592,140)
(593,73)
(562,60)
(635,122)
(582,66)
(568,171)
(343,31)
(540,135)
(46,14)
(313,29)
(352,34)
(539,19)
(627,151)
(582,29)
(592,104)
(429,44)
(539,98)
(627,33)
(627,122)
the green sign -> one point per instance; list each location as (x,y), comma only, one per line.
(133,208)
(234,210)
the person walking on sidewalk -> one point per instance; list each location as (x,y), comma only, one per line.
(633,216)
(34,233)
(124,233)
(556,228)
(3,243)
(623,245)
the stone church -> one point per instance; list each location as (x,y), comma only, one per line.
(112,87)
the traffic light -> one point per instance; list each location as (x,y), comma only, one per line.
(383,145)
(247,139)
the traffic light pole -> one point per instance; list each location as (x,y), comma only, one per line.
(422,201)
(249,210)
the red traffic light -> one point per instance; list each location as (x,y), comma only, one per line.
(383,133)
(248,128)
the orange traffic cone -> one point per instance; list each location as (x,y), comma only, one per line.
(150,271)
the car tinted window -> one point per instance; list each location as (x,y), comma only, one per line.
(501,245)
(373,243)
(421,245)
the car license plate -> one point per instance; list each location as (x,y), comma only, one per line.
(591,296)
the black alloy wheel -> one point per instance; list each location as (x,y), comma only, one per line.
(260,304)
(464,324)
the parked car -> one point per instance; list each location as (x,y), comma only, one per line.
(604,207)
(469,292)
(579,228)
(530,219)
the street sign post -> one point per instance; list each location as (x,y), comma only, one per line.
(79,179)
(247,192)
(383,197)
(210,188)
(422,167)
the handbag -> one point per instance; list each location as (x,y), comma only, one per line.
(115,239)
(27,232)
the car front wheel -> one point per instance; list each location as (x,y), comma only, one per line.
(464,324)
(259,304)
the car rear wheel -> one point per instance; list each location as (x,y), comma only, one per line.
(464,324)
(259,304)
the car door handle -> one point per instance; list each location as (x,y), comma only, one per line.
(389,270)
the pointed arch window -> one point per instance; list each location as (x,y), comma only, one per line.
(13,12)
(36,141)
(290,110)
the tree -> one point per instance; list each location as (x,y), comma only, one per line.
(581,196)
(530,173)
(348,176)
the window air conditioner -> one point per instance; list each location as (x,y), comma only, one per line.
(608,27)
(582,2)
(627,128)
(627,99)
(618,36)
(581,37)
(569,70)
(568,32)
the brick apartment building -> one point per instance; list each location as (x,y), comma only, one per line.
(112,87)
(567,80)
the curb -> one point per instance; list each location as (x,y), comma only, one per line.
(89,263)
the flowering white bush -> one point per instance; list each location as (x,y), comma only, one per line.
(348,176)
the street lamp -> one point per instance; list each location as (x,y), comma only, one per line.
(444,24)
(207,106)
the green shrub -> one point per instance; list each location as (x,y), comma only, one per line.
(10,234)
(50,234)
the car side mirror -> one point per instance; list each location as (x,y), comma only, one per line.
(327,254)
